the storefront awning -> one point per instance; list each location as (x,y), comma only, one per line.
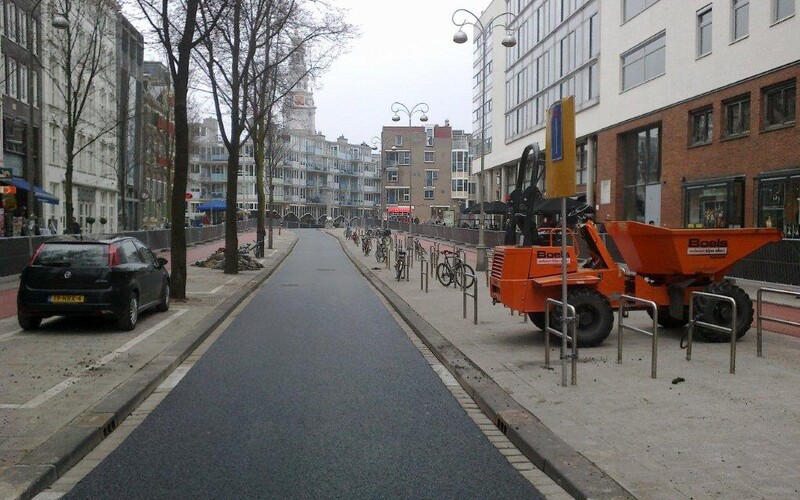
(399,210)
(38,193)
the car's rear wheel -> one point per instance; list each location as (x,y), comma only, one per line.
(130,314)
(28,322)
(163,306)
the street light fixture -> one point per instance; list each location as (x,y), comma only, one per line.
(484,31)
(422,108)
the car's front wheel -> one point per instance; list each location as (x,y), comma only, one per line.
(130,313)
(28,322)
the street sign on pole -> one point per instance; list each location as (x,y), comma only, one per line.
(560,157)
(188,196)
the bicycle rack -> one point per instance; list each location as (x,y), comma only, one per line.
(571,320)
(389,255)
(760,316)
(731,330)
(621,313)
(474,294)
(423,274)
(434,256)
(408,267)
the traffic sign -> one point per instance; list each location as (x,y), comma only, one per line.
(188,196)
(560,158)
(8,189)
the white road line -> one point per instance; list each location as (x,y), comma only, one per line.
(175,377)
(56,389)
(223,285)
(131,343)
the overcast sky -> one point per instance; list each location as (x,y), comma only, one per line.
(405,53)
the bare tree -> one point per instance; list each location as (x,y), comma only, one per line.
(301,40)
(228,58)
(84,58)
(176,25)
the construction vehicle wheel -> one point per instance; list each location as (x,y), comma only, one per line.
(595,316)
(666,320)
(537,319)
(718,312)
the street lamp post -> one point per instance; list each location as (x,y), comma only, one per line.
(378,144)
(422,108)
(484,31)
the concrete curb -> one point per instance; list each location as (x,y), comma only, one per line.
(578,475)
(49,461)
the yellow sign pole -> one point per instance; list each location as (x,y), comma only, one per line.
(560,183)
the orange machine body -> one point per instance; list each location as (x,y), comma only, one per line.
(523,278)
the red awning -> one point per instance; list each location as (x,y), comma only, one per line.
(399,210)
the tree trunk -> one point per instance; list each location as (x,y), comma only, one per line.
(178,230)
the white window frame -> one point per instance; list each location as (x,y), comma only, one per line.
(431,155)
(704,23)
(736,7)
(645,4)
(647,50)
(776,17)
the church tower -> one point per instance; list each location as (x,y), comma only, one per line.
(300,112)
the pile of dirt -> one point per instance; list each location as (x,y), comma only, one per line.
(217,261)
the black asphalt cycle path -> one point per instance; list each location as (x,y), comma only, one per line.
(313,391)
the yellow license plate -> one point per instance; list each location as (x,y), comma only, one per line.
(66,299)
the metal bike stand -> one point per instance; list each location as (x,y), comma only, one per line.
(731,330)
(760,316)
(423,274)
(622,313)
(408,267)
(474,295)
(571,320)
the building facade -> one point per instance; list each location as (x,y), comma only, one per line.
(424,177)
(95,183)
(21,111)
(158,144)
(685,110)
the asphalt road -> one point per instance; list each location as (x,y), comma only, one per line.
(313,392)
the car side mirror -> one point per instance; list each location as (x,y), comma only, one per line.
(161,261)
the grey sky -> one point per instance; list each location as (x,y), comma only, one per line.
(405,53)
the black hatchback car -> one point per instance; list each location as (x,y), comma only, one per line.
(119,278)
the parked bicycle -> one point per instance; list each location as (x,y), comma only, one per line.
(366,245)
(355,237)
(381,249)
(400,265)
(419,251)
(348,232)
(453,269)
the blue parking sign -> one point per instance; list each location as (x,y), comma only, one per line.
(556,135)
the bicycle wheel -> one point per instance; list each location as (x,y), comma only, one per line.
(469,279)
(444,274)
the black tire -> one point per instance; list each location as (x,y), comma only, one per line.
(130,313)
(400,267)
(28,322)
(163,306)
(470,280)
(444,275)
(666,320)
(537,319)
(718,312)
(595,316)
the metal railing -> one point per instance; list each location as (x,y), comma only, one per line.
(571,320)
(474,294)
(760,316)
(434,255)
(622,313)
(693,321)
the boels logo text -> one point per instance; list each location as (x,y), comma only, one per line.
(699,246)
(552,258)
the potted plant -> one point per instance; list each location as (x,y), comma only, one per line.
(90,221)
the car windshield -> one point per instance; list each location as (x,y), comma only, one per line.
(73,255)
